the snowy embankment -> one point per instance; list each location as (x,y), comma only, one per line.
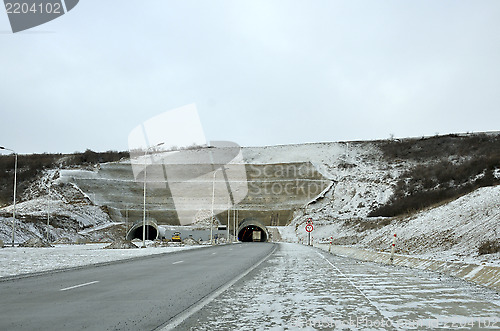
(21,260)
(66,208)
(65,220)
(363,178)
(451,232)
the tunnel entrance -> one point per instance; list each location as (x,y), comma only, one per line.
(152,231)
(252,230)
(247,234)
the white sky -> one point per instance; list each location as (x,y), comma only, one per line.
(260,72)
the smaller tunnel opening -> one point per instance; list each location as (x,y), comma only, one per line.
(151,233)
(246,234)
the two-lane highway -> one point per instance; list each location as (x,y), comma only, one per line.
(134,295)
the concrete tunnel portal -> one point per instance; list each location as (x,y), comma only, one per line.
(247,228)
(245,231)
(152,231)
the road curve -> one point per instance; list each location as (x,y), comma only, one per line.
(140,295)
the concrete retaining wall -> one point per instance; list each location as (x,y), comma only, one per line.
(488,276)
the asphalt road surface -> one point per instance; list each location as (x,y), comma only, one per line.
(143,294)
(304,288)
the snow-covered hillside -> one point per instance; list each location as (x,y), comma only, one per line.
(353,177)
(453,231)
(67,209)
(361,176)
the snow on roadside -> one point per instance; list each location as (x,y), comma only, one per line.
(287,234)
(21,260)
(451,232)
(299,288)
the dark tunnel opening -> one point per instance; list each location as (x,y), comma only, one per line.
(246,234)
(151,233)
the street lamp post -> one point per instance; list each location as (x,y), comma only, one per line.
(144,197)
(15,185)
(126,221)
(212,214)
(48,214)
(234,225)
(228,218)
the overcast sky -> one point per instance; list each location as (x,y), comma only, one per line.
(260,72)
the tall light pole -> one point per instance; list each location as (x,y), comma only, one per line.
(126,220)
(48,215)
(15,184)
(228,218)
(144,197)
(212,214)
(234,225)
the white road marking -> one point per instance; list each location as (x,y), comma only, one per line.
(359,290)
(80,285)
(177,262)
(194,309)
(214,253)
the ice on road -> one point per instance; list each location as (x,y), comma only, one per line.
(300,287)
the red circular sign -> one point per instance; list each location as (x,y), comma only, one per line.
(309,227)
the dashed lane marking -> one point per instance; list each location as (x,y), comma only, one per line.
(77,286)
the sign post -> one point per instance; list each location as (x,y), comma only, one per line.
(309,229)
(393,248)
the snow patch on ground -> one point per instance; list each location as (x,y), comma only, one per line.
(21,260)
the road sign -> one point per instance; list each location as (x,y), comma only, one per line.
(393,247)
(309,228)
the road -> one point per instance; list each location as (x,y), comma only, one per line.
(134,295)
(303,288)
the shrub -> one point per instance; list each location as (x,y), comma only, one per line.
(436,179)
(489,247)
(440,147)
